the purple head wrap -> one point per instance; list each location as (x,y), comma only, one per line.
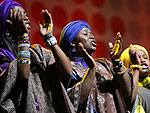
(5,7)
(69,32)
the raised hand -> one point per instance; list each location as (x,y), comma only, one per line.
(18,21)
(88,58)
(47,27)
(116,49)
(133,55)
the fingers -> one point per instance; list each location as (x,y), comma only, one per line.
(118,36)
(47,17)
(87,57)
(15,13)
(111,50)
(132,49)
(110,45)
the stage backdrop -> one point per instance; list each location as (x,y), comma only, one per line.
(106,18)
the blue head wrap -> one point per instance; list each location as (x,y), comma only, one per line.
(5,7)
(69,32)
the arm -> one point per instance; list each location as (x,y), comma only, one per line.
(120,70)
(136,71)
(62,62)
(87,81)
(18,25)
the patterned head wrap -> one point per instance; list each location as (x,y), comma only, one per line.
(5,7)
(69,32)
(125,57)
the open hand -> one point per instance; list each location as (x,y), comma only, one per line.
(116,49)
(47,27)
(87,58)
(18,21)
(133,55)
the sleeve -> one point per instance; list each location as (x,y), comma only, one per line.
(4,61)
(74,95)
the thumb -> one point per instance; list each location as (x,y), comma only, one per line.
(110,45)
(9,21)
(40,25)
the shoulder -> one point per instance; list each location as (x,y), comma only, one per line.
(104,68)
(41,54)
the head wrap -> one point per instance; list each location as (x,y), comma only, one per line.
(5,7)
(70,31)
(125,57)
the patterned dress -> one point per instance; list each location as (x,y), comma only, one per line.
(44,93)
(105,95)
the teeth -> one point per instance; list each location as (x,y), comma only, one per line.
(93,43)
(28,25)
(143,66)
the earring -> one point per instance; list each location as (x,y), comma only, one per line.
(74,49)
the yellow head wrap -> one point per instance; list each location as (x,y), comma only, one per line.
(125,57)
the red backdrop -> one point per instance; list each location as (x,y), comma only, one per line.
(106,18)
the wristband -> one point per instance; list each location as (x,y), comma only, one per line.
(136,67)
(21,60)
(23,57)
(50,41)
(117,63)
(24,40)
(24,45)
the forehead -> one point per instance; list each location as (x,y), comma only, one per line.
(140,52)
(85,29)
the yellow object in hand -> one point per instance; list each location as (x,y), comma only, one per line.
(117,45)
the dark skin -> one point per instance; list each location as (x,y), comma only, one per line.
(61,59)
(86,38)
(82,41)
(123,80)
(18,24)
(138,57)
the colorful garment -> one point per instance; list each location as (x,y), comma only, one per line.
(5,7)
(5,58)
(69,32)
(143,93)
(105,96)
(45,93)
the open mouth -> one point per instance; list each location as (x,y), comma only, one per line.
(93,43)
(144,66)
(28,26)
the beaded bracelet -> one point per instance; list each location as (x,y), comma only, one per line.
(24,57)
(21,60)
(24,40)
(136,67)
(24,44)
(24,53)
(117,63)
(50,41)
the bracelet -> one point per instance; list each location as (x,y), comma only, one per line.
(23,57)
(23,41)
(120,73)
(24,53)
(24,45)
(117,63)
(21,60)
(136,67)
(51,41)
